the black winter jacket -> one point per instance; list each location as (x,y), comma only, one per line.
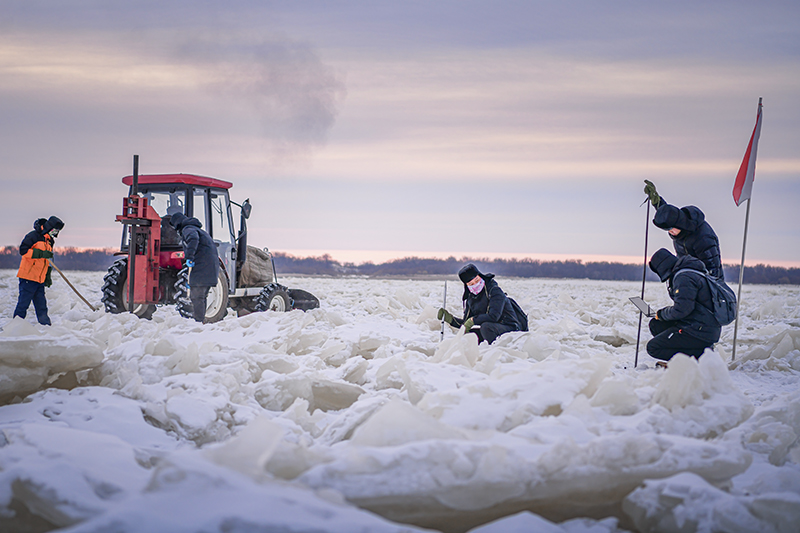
(697,238)
(692,309)
(489,305)
(200,248)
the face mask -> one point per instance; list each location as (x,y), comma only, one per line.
(54,233)
(477,288)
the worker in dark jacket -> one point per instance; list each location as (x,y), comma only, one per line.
(201,258)
(690,233)
(34,271)
(688,326)
(486,306)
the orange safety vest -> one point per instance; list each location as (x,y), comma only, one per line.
(35,269)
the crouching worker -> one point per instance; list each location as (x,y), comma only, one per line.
(688,326)
(34,272)
(201,258)
(487,309)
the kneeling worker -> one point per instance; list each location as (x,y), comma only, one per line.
(688,326)
(486,307)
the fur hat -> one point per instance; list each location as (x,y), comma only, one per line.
(662,263)
(468,273)
(53,223)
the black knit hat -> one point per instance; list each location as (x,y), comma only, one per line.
(667,217)
(468,272)
(662,263)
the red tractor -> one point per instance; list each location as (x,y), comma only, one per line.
(155,264)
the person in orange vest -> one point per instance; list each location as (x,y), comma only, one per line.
(34,267)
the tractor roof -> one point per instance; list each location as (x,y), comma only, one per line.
(188,179)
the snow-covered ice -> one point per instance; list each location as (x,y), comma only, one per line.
(355,417)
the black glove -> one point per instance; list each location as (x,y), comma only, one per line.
(41,254)
(48,280)
(650,190)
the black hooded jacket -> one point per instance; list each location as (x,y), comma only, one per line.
(692,308)
(489,305)
(697,238)
(198,247)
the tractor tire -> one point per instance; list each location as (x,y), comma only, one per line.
(216,304)
(273,297)
(115,292)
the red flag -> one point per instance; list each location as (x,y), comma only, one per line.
(747,172)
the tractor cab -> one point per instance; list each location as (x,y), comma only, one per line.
(155,265)
(205,199)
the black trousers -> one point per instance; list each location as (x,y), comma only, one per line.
(489,331)
(668,340)
(199,298)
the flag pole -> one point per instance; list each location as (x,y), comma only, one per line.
(741,278)
(644,276)
(742,190)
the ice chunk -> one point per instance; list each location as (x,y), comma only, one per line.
(524,522)
(773,429)
(459,350)
(408,299)
(617,396)
(399,423)
(193,415)
(30,355)
(333,396)
(63,475)
(686,502)
(249,450)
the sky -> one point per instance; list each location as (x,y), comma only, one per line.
(371,130)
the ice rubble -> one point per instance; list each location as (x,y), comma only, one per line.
(30,355)
(359,403)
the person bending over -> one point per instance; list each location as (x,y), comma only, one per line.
(201,258)
(488,312)
(689,231)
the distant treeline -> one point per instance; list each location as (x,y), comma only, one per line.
(523,268)
(65,258)
(325,265)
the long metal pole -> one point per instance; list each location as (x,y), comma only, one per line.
(741,278)
(132,239)
(644,276)
(444,306)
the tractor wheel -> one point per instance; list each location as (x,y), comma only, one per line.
(216,303)
(273,297)
(115,292)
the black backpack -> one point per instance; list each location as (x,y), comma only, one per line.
(522,318)
(722,298)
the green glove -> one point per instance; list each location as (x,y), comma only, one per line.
(468,323)
(650,190)
(47,279)
(444,314)
(41,254)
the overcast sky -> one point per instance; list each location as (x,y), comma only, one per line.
(390,128)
